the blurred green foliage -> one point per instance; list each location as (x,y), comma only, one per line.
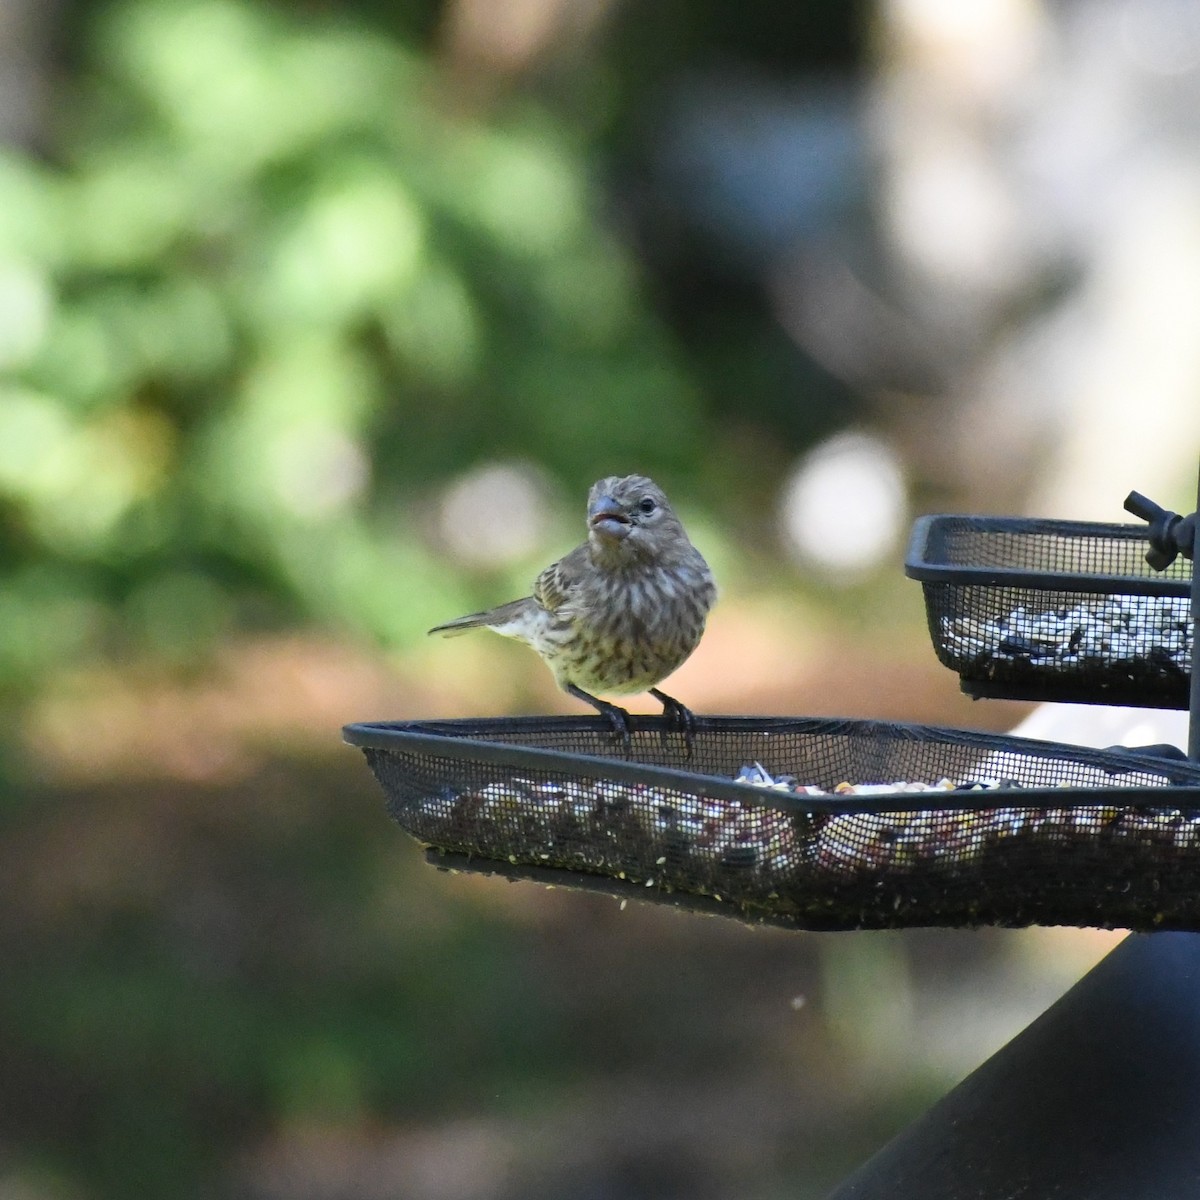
(271,286)
(272,283)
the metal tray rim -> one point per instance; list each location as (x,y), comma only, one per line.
(452,739)
(919,566)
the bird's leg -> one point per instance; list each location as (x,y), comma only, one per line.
(617,717)
(679,715)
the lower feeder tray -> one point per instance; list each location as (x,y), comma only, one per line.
(809,823)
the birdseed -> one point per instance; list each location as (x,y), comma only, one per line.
(1126,867)
(1139,641)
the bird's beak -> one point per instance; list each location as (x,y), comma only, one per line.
(607,518)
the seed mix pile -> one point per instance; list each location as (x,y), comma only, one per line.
(1000,864)
(1140,640)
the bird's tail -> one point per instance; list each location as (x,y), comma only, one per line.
(493,618)
(462,624)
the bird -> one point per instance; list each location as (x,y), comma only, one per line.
(621,611)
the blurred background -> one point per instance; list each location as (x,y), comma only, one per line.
(316,323)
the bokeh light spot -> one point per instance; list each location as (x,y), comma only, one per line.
(318,471)
(494,515)
(26,305)
(843,507)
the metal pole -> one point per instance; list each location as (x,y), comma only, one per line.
(1194,695)
(1096,1100)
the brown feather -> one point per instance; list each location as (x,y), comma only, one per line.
(502,614)
(621,611)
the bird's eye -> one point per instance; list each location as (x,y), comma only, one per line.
(647,504)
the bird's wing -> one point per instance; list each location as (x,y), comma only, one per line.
(551,590)
(555,585)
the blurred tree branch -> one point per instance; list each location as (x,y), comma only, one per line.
(25,69)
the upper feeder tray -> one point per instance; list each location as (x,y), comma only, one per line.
(809,823)
(1054,610)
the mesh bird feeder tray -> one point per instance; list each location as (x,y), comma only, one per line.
(960,829)
(1054,610)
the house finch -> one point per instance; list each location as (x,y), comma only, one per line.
(622,610)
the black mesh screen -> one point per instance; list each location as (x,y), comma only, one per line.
(1019,833)
(1075,548)
(1054,610)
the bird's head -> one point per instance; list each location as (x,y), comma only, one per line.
(630,517)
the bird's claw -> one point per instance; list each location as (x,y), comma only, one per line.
(679,715)
(618,719)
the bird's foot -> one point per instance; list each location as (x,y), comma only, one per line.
(618,719)
(679,715)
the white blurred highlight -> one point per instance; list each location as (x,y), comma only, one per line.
(319,471)
(978,49)
(1101,726)
(950,212)
(26,306)
(843,506)
(494,515)
(1162,38)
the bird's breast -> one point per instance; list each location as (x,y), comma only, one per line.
(630,631)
